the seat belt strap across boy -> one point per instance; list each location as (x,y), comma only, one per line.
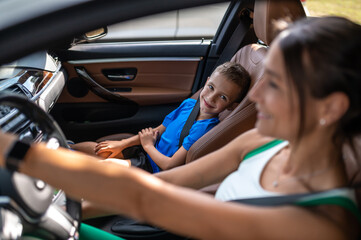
(189,123)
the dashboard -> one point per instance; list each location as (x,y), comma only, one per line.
(38,77)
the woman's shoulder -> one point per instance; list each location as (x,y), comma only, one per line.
(249,141)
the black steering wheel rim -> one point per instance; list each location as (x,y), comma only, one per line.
(50,129)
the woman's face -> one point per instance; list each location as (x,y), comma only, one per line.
(276,101)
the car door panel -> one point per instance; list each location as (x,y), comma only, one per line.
(160,83)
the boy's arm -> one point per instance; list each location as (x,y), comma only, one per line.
(109,149)
(116,147)
(148,137)
(165,162)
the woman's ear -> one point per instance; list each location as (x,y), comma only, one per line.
(335,106)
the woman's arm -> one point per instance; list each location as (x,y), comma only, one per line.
(214,167)
(142,196)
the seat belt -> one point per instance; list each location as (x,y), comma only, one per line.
(236,39)
(274,200)
(305,200)
(189,123)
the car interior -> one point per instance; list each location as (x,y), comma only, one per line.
(241,119)
(95,91)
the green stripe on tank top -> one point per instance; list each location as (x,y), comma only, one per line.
(334,200)
(263,148)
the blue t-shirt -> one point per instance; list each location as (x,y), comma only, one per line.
(174,123)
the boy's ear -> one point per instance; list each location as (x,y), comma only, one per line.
(232,106)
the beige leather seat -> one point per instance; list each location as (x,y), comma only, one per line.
(250,57)
(352,158)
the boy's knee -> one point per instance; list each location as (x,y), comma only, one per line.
(85,147)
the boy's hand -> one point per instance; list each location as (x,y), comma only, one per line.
(110,149)
(148,136)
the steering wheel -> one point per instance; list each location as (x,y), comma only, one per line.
(32,198)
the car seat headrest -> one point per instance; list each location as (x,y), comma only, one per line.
(267,11)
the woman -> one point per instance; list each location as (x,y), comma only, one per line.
(310,97)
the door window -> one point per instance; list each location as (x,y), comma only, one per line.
(193,23)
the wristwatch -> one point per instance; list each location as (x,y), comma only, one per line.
(16,154)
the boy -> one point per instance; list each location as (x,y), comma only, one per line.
(224,89)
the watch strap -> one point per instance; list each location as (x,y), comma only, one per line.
(16,154)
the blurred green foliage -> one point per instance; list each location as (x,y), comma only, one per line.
(350,9)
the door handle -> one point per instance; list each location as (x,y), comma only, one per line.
(100,91)
(120,74)
(121,77)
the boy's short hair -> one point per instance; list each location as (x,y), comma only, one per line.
(237,74)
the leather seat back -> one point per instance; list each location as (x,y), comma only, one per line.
(352,160)
(243,117)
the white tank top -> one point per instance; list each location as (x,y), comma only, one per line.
(245,181)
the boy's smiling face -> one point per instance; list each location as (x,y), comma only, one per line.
(218,94)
